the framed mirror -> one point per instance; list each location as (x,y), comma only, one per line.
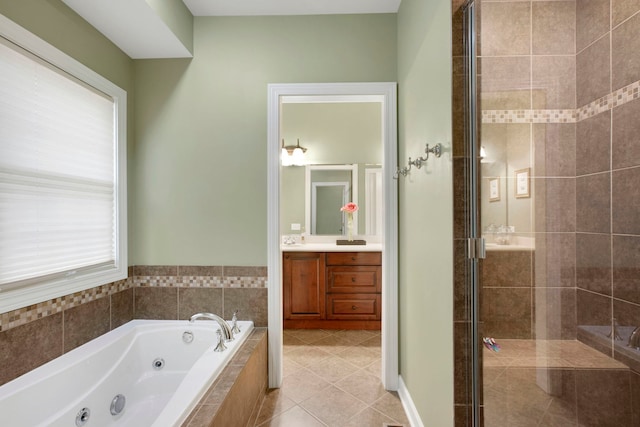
(327,189)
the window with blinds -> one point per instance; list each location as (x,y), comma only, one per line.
(62,173)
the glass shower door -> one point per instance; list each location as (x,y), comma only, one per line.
(556,298)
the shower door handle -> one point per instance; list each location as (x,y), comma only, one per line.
(476,248)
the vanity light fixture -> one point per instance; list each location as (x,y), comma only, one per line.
(293,155)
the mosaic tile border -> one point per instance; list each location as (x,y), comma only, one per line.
(170,278)
(28,314)
(619,97)
(529,116)
(200,282)
(608,102)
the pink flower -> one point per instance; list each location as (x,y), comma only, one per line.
(349,208)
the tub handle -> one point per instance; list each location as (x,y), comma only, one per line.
(220,346)
(235,329)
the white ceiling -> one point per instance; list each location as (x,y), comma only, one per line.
(134,26)
(289,7)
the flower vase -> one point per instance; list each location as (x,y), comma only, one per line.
(349,209)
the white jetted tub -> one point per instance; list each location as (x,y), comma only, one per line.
(144,373)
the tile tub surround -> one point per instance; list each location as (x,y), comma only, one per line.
(34,335)
(235,397)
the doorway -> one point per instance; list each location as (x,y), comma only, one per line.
(385,93)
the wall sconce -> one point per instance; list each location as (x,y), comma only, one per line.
(293,155)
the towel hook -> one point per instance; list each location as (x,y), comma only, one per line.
(436,150)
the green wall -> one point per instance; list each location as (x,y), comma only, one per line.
(425,211)
(201,127)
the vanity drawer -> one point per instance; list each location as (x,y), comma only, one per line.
(354,279)
(353,306)
(354,258)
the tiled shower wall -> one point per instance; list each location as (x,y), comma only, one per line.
(567,74)
(528,97)
(34,335)
(608,164)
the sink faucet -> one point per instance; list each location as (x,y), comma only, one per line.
(224,326)
(634,339)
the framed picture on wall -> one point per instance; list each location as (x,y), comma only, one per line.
(523,183)
(494,189)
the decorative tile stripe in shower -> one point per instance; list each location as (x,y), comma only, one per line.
(528,116)
(606,103)
(161,276)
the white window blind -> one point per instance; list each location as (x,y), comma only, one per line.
(59,201)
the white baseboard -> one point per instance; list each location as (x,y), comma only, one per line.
(407,403)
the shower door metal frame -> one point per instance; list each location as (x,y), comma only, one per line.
(476,245)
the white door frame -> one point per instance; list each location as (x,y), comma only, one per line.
(386,94)
(374,205)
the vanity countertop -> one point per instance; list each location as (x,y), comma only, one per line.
(331,247)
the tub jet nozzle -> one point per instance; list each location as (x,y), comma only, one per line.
(117,404)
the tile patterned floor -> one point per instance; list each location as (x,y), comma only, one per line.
(331,379)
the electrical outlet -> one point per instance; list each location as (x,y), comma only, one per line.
(295,227)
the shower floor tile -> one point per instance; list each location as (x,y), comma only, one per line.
(531,383)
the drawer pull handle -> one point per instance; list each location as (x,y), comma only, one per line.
(353,279)
(353,258)
(354,307)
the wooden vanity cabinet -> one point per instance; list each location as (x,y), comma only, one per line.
(303,279)
(332,290)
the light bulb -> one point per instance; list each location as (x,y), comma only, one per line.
(298,157)
(286,159)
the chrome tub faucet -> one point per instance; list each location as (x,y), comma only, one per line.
(224,326)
